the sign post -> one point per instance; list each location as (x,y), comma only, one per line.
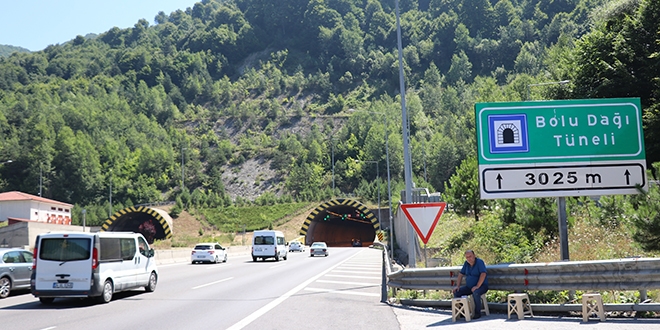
(560,148)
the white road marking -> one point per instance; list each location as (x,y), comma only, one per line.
(48,328)
(216,282)
(355,272)
(263,310)
(344,292)
(361,266)
(353,276)
(351,283)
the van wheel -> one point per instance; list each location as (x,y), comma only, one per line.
(46,301)
(5,287)
(151,286)
(285,256)
(106,296)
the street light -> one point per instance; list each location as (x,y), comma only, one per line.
(41,181)
(183,185)
(389,186)
(562,82)
(110,196)
(332,145)
(377,178)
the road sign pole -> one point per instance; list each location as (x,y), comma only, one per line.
(563,228)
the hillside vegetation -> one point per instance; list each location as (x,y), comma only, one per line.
(246,103)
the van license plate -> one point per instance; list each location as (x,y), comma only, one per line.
(62,285)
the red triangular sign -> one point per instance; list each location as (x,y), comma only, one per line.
(424,217)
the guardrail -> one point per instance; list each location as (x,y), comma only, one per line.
(619,274)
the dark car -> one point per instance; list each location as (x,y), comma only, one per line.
(15,270)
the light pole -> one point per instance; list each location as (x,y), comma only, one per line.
(563,82)
(561,201)
(84,213)
(389,186)
(183,185)
(332,145)
(377,178)
(110,196)
(41,181)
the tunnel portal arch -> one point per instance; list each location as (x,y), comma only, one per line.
(340,221)
(130,219)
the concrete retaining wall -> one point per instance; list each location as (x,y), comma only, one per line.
(164,257)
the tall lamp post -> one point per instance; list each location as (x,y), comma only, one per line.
(561,201)
(563,82)
(183,185)
(110,196)
(332,145)
(377,178)
(389,186)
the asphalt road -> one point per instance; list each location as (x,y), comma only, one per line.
(341,291)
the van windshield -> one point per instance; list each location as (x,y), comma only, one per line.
(264,240)
(65,249)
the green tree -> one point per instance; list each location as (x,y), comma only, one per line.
(462,192)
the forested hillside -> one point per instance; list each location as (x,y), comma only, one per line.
(306,88)
(6,50)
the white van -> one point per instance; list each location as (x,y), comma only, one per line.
(269,244)
(75,264)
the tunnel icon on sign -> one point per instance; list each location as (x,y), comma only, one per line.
(508,133)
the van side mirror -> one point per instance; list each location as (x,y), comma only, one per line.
(151,253)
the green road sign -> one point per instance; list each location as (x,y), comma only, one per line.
(560,148)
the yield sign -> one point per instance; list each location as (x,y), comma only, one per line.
(424,217)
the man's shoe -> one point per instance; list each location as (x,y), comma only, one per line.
(476,316)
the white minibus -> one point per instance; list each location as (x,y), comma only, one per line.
(269,244)
(75,264)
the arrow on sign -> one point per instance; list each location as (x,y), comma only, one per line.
(424,217)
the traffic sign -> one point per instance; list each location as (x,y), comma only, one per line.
(424,217)
(560,148)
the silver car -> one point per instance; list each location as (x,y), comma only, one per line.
(15,270)
(318,249)
(296,246)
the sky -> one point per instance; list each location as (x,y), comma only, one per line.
(35,24)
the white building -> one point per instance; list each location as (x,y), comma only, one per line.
(17,206)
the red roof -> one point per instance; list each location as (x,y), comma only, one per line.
(19,196)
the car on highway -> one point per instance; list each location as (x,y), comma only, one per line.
(296,246)
(15,270)
(318,249)
(208,252)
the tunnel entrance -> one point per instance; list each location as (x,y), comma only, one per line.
(152,223)
(339,223)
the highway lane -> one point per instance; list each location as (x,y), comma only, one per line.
(237,294)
